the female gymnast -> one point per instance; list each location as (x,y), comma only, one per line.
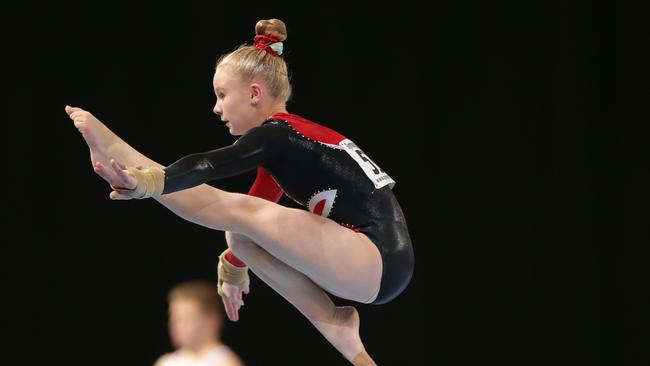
(353,241)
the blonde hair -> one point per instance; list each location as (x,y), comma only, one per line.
(203,292)
(249,62)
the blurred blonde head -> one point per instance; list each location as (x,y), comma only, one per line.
(195,314)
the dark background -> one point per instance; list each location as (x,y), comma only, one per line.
(514,132)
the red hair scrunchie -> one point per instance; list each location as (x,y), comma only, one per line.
(263,42)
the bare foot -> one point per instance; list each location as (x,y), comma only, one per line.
(346,337)
(102,142)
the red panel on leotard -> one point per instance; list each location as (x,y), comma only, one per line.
(311,130)
(265,186)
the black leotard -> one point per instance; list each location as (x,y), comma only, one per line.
(321,170)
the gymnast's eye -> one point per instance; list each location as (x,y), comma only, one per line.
(220,95)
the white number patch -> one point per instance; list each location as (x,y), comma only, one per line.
(378,177)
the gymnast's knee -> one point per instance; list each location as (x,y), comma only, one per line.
(237,242)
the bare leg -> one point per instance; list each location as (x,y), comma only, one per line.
(339,325)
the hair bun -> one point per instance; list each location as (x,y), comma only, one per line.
(271,27)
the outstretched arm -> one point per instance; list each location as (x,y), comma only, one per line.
(251,150)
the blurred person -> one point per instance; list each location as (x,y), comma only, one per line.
(196,317)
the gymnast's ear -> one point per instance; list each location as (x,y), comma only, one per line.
(255,93)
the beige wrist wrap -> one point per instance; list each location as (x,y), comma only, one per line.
(151,182)
(229,273)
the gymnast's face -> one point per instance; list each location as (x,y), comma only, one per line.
(189,325)
(236,101)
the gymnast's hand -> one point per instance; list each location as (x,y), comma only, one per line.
(232,283)
(233,298)
(118,177)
